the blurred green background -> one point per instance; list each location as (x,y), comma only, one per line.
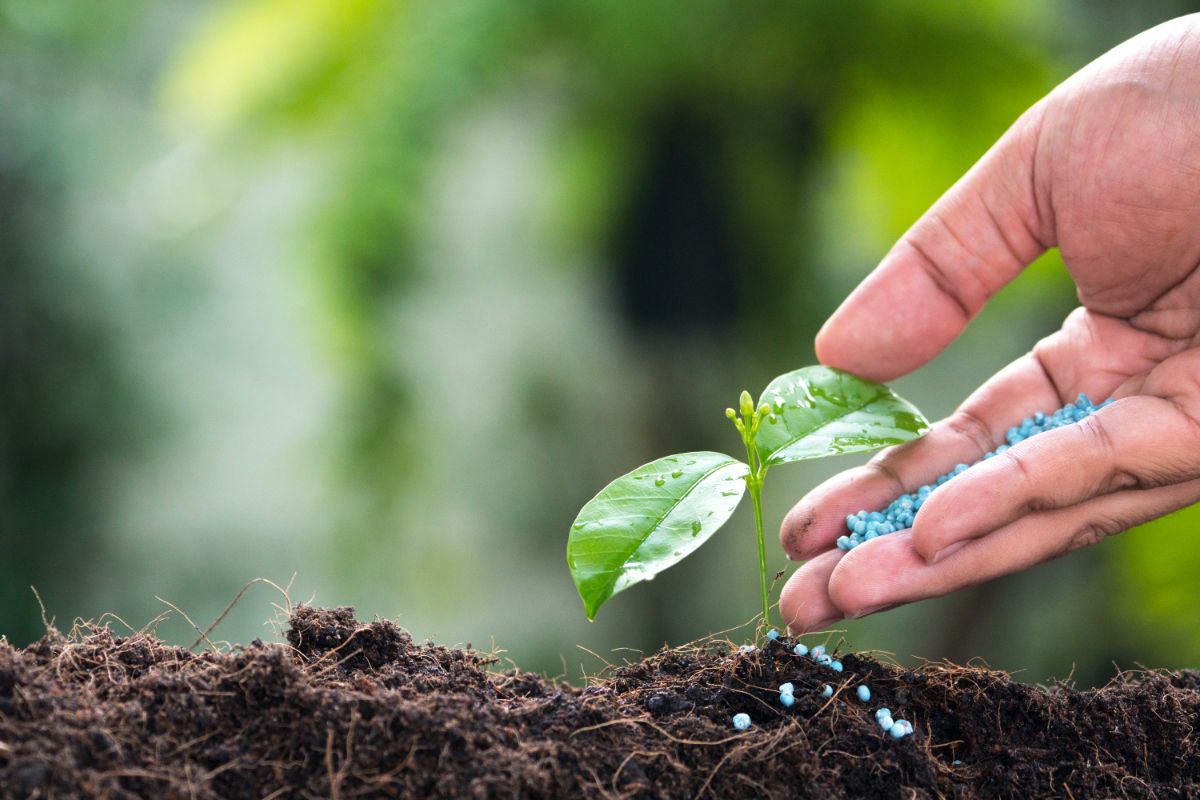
(379,293)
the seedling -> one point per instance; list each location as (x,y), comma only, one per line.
(657,515)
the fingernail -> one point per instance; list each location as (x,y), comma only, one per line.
(866,612)
(948,550)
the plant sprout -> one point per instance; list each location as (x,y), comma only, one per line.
(655,516)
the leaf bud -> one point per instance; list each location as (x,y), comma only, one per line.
(729,412)
(763,410)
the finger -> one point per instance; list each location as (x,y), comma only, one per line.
(976,238)
(889,571)
(1092,353)
(978,425)
(1139,442)
(804,603)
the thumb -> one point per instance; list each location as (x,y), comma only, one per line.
(976,238)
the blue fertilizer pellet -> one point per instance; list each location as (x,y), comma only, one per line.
(817,652)
(772,634)
(787,688)
(836,666)
(741,721)
(787,698)
(886,723)
(883,712)
(827,691)
(800,649)
(902,512)
(863,692)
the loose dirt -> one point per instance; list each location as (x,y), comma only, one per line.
(349,709)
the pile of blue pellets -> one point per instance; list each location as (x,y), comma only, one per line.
(901,512)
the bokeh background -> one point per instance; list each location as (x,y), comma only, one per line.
(377,294)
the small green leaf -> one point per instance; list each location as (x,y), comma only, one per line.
(650,519)
(819,411)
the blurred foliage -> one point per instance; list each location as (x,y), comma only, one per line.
(383,292)
(67,400)
(1153,569)
(750,104)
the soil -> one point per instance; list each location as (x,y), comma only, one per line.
(350,709)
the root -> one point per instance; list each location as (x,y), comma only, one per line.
(48,624)
(287,609)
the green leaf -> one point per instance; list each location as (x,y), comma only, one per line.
(819,411)
(650,519)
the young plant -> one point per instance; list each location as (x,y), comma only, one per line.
(655,516)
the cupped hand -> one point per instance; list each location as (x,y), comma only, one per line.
(1107,169)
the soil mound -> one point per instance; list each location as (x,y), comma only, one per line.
(350,709)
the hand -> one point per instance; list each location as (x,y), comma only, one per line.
(1106,168)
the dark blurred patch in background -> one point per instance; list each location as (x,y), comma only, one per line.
(377,294)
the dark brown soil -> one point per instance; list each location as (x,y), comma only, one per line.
(349,709)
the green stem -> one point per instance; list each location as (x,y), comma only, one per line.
(747,425)
(756,499)
(754,482)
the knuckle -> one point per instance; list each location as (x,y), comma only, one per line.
(1100,443)
(1093,532)
(1019,465)
(950,285)
(1056,354)
(1030,487)
(968,425)
(1099,438)
(882,466)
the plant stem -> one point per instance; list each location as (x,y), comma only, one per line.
(754,482)
(756,499)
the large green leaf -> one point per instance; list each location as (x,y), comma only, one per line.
(819,411)
(645,521)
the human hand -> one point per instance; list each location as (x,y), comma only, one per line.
(1106,168)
